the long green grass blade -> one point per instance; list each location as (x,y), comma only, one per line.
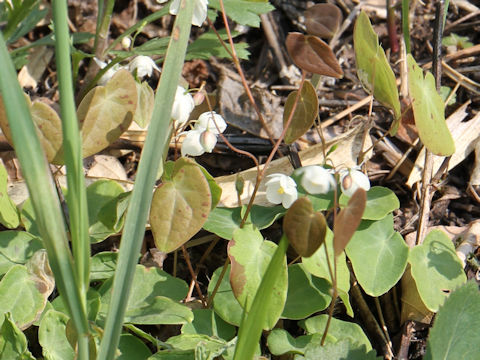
(139,206)
(251,327)
(41,188)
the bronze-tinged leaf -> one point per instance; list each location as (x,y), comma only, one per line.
(304,227)
(312,54)
(106,112)
(305,112)
(347,220)
(323,20)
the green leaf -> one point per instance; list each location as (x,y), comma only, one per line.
(378,254)
(215,189)
(225,304)
(242,11)
(436,268)
(461,42)
(306,295)
(249,257)
(317,266)
(155,297)
(429,111)
(24,294)
(454,334)
(16,247)
(212,346)
(9,216)
(106,112)
(132,348)
(13,343)
(381,201)
(208,45)
(338,330)
(224,221)
(280,342)
(99,194)
(373,68)
(180,207)
(52,337)
(173,355)
(305,113)
(343,349)
(207,322)
(102,265)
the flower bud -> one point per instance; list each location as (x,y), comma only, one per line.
(208,140)
(198,98)
(351,180)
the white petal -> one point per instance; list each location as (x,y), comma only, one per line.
(351,180)
(182,106)
(199,12)
(191,144)
(317,180)
(289,199)
(208,140)
(207,121)
(273,195)
(144,66)
(174,7)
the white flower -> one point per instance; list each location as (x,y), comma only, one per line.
(109,73)
(351,180)
(182,106)
(144,66)
(281,189)
(199,12)
(317,180)
(207,121)
(203,137)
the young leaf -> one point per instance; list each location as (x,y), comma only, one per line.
(13,342)
(373,69)
(107,111)
(305,228)
(323,20)
(448,338)
(348,220)
(428,109)
(305,112)
(180,207)
(436,268)
(378,254)
(312,54)
(250,255)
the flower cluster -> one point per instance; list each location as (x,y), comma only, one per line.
(203,137)
(282,189)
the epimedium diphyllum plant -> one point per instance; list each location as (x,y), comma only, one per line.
(105,300)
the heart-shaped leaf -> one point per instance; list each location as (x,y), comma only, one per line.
(250,255)
(348,220)
(180,207)
(107,111)
(48,125)
(305,112)
(323,20)
(312,54)
(373,68)
(305,228)
(428,109)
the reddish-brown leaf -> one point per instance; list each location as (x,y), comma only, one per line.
(348,220)
(312,54)
(323,20)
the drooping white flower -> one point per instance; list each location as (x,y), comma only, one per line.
(203,137)
(109,73)
(144,66)
(351,180)
(182,106)
(210,120)
(199,11)
(317,180)
(281,189)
